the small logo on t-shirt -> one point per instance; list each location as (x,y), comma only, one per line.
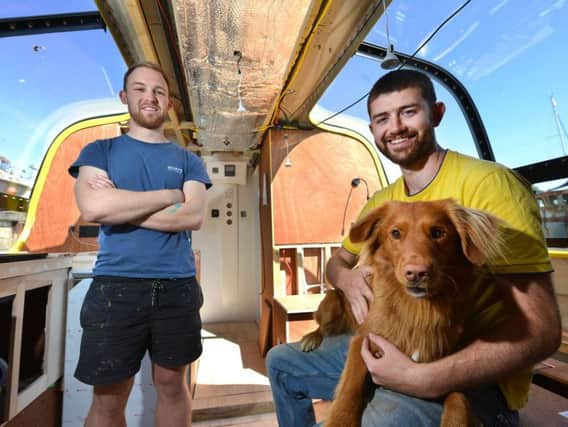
(174,169)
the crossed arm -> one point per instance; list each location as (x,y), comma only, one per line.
(164,210)
(531,333)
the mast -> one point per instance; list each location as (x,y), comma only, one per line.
(559,125)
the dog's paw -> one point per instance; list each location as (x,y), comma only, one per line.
(311,341)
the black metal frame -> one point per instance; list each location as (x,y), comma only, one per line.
(26,25)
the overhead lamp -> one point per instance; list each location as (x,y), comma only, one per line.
(288,161)
(241,107)
(390,60)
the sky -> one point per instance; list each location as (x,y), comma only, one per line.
(43,73)
(511,59)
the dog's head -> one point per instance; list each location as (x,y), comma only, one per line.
(427,246)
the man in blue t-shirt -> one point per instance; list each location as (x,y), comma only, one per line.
(148,194)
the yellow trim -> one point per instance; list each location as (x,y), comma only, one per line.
(558,253)
(269,187)
(46,166)
(370,148)
(276,285)
(301,59)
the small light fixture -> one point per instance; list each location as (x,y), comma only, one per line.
(241,107)
(390,60)
(287,162)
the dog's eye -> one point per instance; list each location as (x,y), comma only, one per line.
(436,232)
(395,233)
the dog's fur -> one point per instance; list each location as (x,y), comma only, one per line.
(425,257)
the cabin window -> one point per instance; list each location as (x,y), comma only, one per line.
(355,81)
(553,202)
(45,78)
(490,51)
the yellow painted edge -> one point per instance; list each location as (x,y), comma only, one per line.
(46,166)
(558,253)
(276,285)
(298,64)
(370,148)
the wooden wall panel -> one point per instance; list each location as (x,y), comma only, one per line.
(57,210)
(266,249)
(310,195)
(304,203)
(560,275)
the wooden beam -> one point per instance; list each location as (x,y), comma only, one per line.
(133,10)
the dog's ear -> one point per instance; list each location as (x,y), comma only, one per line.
(364,228)
(479,232)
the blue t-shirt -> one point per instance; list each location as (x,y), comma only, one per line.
(127,250)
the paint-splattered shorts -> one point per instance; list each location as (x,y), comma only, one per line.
(123,317)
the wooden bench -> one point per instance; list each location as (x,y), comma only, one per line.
(293,308)
(552,374)
(548,401)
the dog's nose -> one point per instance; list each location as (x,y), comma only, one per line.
(416,273)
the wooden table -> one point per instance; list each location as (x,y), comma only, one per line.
(292,308)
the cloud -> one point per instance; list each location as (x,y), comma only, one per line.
(458,41)
(497,7)
(556,5)
(492,62)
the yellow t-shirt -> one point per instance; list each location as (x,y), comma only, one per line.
(491,187)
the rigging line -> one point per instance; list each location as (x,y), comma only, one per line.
(458,10)
(438,28)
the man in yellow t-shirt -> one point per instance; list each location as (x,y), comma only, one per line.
(499,347)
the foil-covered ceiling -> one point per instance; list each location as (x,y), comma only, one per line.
(238,67)
(237,55)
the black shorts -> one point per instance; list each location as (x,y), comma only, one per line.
(123,317)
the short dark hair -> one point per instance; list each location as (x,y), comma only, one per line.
(398,80)
(145,64)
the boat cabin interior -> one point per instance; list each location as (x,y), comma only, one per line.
(271,95)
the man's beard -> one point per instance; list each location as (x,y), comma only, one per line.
(423,148)
(154,122)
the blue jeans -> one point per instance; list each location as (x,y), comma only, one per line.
(297,378)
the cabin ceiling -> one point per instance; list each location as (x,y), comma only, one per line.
(237,67)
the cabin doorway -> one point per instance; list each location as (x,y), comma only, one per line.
(229,249)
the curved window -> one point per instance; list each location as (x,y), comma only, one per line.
(42,74)
(511,58)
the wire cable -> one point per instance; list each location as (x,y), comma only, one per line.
(438,28)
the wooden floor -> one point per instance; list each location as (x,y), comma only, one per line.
(231,384)
(232,388)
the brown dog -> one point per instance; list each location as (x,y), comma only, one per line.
(426,256)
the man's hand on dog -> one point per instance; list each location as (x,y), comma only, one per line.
(390,367)
(356,286)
